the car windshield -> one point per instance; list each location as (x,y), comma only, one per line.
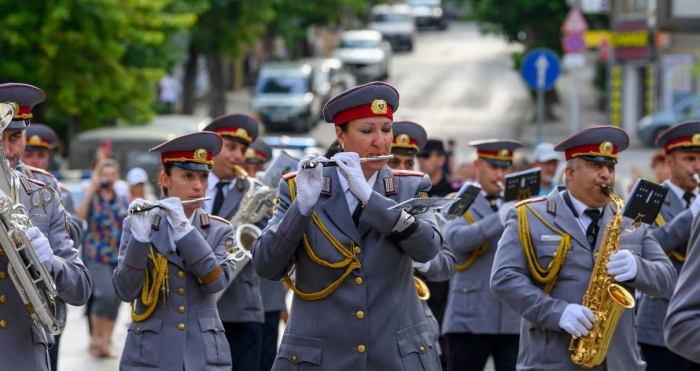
(283,85)
(391,17)
(359,43)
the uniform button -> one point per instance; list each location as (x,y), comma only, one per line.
(358,280)
(138,330)
(294,358)
(181,291)
(2,252)
(216,330)
(360,314)
(464,290)
(3,299)
(181,274)
(181,326)
(181,309)
(3,323)
(361,348)
(357,249)
(422,349)
(2,275)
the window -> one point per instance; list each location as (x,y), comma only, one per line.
(283,85)
(635,6)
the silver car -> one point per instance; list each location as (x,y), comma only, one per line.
(365,53)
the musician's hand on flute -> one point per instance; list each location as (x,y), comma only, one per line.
(172,207)
(140,221)
(349,164)
(309,182)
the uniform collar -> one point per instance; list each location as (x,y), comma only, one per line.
(580,207)
(675,189)
(344,183)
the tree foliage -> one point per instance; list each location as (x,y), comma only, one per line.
(96,60)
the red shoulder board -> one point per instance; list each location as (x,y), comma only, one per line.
(407,173)
(214,217)
(39,170)
(529,200)
(37,182)
(289,175)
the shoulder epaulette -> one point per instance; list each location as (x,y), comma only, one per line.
(39,170)
(289,175)
(407,173)
(214,217)
(37,182)
(529,200)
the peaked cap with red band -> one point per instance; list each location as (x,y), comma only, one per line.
(40,136)
(236,126)
(258,152)
(23,98)
(408,137)
(681,137)
(498,152)
(597,144)
(368,100)
(191,151)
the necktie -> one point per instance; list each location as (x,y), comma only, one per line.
(592,231)
(493,200)
(219,198)
(356,214)
(688,197)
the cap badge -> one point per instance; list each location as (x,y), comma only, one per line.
(243,133)
(34,140)
(200,154)
(15,107)
(606,148)
(696,138)
(379,107)
(503,153)
(403,139)
(249,153)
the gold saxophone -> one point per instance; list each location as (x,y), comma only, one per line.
(607,300)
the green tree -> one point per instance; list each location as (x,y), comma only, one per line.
(98,61)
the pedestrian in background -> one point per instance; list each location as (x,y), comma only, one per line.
(547,159)
(431,160)
(105,211)
(139,185)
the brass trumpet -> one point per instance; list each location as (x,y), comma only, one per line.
(421,288)
(696,177)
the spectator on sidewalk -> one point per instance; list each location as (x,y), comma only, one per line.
(169,89)
(547,160)
(431,160)
(139,185)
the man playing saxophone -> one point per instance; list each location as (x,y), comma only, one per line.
(548,251)
(240,306)
(23,346)
(681,144)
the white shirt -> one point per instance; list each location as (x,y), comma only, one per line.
(583,220)
(211,191)
(351,199)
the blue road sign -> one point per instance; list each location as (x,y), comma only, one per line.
(540,69)
(574,43)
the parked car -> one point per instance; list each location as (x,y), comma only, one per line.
(296,147)
(365,53)
(428,13)
(649,127)
(395,22)
(330,76)
(286,98)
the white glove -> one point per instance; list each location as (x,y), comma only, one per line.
(503,211)
(576,320)
(309,183)
(172,206)
(622,265)
(421,267)
(41,245)
(349,164)
(140,222)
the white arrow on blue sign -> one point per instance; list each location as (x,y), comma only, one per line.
(540,69)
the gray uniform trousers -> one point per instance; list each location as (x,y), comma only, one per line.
(543,345)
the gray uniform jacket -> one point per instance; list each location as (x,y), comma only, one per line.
(273,296)
(471,307)
(185,329)
(441,268)
(681,325)
(242,300)
(23,346)
(672,236)
(373,320)
(543,345)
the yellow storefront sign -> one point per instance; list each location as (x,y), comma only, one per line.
(635,39)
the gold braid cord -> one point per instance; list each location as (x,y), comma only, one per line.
(546,276)
(660,222)
(474,254)
(350,262)
(149,293)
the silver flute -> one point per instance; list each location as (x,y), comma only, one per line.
(312,164)
(144,208)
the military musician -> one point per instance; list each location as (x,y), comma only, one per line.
(681,145)
(355,305)
(547,255)
(23,345)
(172,260)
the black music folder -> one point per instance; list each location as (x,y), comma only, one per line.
(465,198)
(522,185)
(644,201)
(415,206)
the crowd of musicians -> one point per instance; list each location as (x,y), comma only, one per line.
(374,286)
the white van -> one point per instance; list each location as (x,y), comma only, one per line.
(395,22)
